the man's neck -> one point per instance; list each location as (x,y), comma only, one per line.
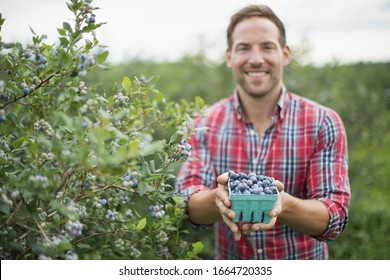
(259,109)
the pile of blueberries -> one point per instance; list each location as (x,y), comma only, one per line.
(242,183)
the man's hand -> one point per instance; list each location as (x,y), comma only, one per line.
(223,203)
(274,213)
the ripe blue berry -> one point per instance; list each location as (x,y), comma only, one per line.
(27,54)
(242,183)
(26,91)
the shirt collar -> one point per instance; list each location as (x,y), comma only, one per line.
(279,110)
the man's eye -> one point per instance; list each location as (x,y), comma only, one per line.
(269,47)
(242,48)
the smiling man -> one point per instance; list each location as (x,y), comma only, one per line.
(264,128)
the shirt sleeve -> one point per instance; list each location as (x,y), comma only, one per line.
(328,174)
(197,173)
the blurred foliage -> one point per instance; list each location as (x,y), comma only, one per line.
(359,92)
(83,174)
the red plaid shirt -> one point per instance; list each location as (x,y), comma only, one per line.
(305,148)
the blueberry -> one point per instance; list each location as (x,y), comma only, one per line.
(26,91)
(43,60)
(265,183)
(253,179)
(27,54)
(83,57)
(242,187)
(233,175)
(127,178)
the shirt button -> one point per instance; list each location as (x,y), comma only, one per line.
(259,251)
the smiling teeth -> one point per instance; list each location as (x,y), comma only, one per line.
(257,74)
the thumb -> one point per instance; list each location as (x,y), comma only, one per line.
(223,178)
(279,185)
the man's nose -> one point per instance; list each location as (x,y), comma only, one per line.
(256,57)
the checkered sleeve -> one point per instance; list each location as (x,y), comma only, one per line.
(198,173)
(328,174)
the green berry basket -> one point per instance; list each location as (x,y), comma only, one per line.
(252,208)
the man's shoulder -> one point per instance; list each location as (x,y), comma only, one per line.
(217,111)
(305,102)
(310,106)
(221,105)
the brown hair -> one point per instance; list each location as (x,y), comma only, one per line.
(255,11)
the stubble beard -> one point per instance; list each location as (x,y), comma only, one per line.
(264,89)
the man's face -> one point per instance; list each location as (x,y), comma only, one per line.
(256,57)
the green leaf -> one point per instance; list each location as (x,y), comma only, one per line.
(173,137)
(141,224)
(152,148)
(2,20)
(33,32)
(64,42)
(75,6)
(20,141)
(67,26)
(197,247)
(144,188)
(199,102)
(152,166)
(65,245)
(110,101)
(5,208)
(152,81)
(126,83)
(33,148)
(145,171)
(159,97)
(134,148)
(61,31)
(65,58)
(102,57)
(84,246)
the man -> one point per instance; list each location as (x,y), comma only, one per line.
(265,129)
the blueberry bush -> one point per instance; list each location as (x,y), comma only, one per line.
(82,174)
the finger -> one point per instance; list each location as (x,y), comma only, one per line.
(222,196)
(245,228)
(233,227)
(279,185)
(262,226)
(277,210)
(225,210)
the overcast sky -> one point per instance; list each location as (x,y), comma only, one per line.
(343,30)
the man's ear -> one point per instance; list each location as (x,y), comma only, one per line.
(228,57)
(286,55)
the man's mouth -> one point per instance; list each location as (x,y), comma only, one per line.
(256,73)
